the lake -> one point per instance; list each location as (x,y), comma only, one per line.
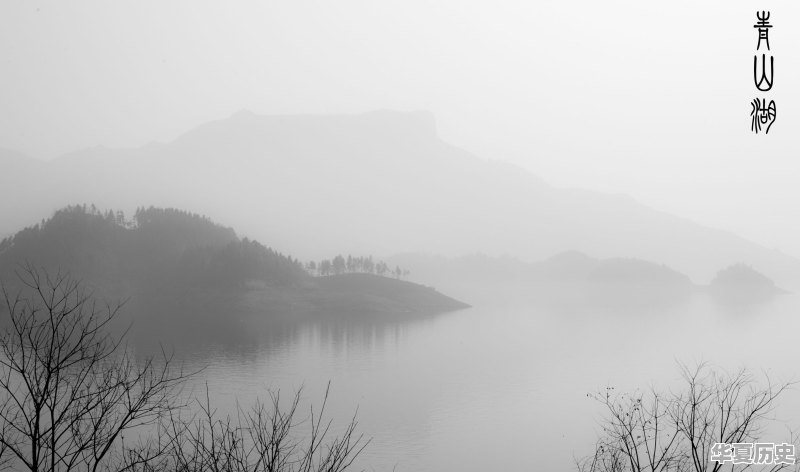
(502,385)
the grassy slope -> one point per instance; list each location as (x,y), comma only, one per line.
(371,293)
(347,295)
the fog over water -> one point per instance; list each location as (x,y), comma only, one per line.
(503,386)
(464,215)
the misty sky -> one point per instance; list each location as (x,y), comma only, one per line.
(645,98)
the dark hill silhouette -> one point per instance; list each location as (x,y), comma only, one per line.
(161,248)
(741,275)
(379,183)
(175,262)
(741,283)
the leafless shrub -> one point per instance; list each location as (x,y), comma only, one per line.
(70,391)
(651,431)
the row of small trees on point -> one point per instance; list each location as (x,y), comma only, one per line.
(354,265)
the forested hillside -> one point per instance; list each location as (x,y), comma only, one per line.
(155,247)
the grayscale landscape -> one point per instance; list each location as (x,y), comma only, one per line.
(393,236)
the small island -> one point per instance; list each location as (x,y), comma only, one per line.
(742,283)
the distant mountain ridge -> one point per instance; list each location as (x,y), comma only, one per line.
(573,275)
(570,267)
(379,183)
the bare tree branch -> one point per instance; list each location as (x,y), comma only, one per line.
(676,431)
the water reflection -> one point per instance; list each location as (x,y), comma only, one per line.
(500,386)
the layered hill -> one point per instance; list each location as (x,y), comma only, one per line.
(172,261)
(567,281)
(567,268)
(379,183)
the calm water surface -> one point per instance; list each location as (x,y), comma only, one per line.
(500,386)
